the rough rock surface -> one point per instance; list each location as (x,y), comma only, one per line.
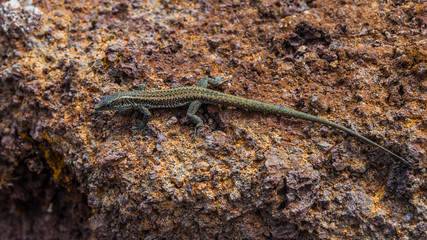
(69,172)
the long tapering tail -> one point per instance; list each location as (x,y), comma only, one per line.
(244,103)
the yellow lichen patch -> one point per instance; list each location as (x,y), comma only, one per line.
(105,63)
(53,159)
(56,163)
(378,196)
(25,137)
(92,210)
(415,55)
(46,137)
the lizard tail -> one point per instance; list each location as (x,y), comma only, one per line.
(243,103)
(292,113)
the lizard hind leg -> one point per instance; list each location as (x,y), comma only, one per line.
(191,114)
(212,81)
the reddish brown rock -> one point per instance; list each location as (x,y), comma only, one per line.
(69,172)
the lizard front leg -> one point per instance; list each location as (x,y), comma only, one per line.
(146,116)
(142,87)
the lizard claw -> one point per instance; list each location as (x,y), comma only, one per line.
(219,79)
(139,128)
(194,134)
(197,128)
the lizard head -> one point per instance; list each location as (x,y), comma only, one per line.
(108,102)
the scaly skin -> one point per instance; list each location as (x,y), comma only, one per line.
(196,96)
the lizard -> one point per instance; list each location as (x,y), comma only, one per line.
(143,100)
